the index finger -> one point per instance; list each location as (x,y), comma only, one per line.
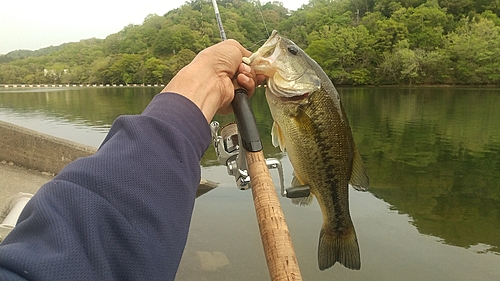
(244,52)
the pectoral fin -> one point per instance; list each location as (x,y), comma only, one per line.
(359,178)
(277,137)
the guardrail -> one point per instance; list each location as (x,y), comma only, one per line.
(84,85)
(72,85)
(76,85)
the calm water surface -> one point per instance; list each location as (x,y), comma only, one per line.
(432,154)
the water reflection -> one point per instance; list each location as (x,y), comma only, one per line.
(432,154)
(435,155)
(79,114)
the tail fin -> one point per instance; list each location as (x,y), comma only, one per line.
(343,249)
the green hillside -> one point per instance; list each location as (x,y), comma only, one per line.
(357,42)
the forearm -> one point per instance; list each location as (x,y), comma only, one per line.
(123,213)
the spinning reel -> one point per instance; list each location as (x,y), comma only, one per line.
(227,144)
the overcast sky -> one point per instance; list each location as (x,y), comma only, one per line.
(35,24)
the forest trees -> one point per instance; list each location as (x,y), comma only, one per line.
(357,42)
(473,48)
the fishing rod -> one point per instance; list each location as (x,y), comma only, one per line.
(219,21)
(276,241)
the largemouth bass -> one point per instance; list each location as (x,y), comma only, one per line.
(311,125)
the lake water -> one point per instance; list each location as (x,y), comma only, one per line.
(432,154)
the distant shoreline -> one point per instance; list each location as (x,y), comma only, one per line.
(76,85)
(71,85)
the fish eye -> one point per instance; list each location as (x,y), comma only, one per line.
(293,50)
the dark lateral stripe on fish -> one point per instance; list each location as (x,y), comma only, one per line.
(327,167)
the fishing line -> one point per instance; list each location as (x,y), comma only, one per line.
(258,43)
(262,17)
(221,28)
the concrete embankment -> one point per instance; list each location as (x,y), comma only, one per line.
(37,151)
(28,159)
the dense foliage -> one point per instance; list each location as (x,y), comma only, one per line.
(355,41)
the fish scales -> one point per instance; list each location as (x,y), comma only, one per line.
(311,125)
(326,167)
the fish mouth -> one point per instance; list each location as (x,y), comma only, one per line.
(263,59)
(269,45)
(282,62)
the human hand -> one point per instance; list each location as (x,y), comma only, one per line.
(209,81)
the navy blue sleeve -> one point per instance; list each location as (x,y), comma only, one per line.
(121,214)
